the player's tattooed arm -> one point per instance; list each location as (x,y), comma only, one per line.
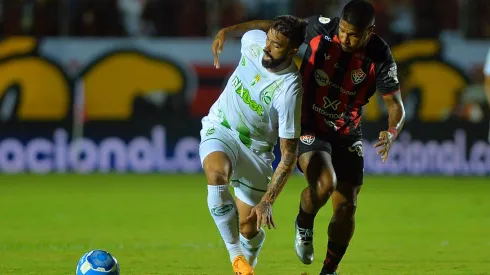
(235,30)
(263,211)
(289,155)
(396,111)
(242,28)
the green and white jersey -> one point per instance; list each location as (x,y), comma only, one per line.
(259,106)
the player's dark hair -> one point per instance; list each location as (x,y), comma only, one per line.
(359,13)
(292,27)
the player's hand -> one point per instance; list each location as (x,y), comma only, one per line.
(217,47)
(386,140)
(263,213)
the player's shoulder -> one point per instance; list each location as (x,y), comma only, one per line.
(323,24)
(378,50)
(254,36)
(320,20)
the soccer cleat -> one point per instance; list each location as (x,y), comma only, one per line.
(242,267)
(303,244)
(334,273)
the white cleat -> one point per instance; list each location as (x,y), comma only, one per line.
(303,244)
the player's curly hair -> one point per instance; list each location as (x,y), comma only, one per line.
(359,13)
(292,27)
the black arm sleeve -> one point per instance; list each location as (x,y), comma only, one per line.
(386,72)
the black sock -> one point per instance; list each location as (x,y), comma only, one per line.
(335,253)
(304,219)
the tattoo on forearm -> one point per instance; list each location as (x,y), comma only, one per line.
(289,152)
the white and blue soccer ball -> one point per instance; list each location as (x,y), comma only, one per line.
(97,262)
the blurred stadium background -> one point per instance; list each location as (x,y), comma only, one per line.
(100,108)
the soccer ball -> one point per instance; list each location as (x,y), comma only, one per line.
(97,262)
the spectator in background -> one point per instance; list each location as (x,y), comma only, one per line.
(402,25)
(233,12)
(306,8)
(268,9)
(191,18)
(97,18)
(159,17)
(131,13)
(30,17)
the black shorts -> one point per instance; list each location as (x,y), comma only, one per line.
(347,156)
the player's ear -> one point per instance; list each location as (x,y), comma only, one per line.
(371,30)
(293,51)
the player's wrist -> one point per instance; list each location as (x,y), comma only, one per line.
(267,201)
(393,130)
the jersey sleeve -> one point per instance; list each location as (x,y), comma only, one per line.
(486,69)
(288,107)
(386,73)
(253,37)
(317,25)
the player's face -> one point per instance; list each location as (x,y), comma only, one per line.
(276,49)
(352,38)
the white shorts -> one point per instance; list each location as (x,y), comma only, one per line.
(252,171)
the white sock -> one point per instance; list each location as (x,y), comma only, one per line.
(225,214)
(252,247)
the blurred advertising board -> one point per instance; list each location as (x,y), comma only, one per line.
(135,105)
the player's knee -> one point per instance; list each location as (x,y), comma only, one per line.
(217,177)
(248,229)
(346,209)
(326,185)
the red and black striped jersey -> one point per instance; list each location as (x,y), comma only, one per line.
(338,84)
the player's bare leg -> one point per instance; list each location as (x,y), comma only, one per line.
(320,175)
(342,225)
(218,169)
(251,239)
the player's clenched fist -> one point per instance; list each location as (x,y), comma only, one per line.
(217,47)
(386,139)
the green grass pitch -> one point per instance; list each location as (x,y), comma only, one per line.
(160,224)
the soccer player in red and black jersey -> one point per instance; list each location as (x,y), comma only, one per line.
(343,66)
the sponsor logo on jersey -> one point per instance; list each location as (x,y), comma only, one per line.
(321,78)
(326,114)
(255,80)
(328,103)
(307,139)
(357,76)
(244,94)
(266,97)
(360,56)
(393,73)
